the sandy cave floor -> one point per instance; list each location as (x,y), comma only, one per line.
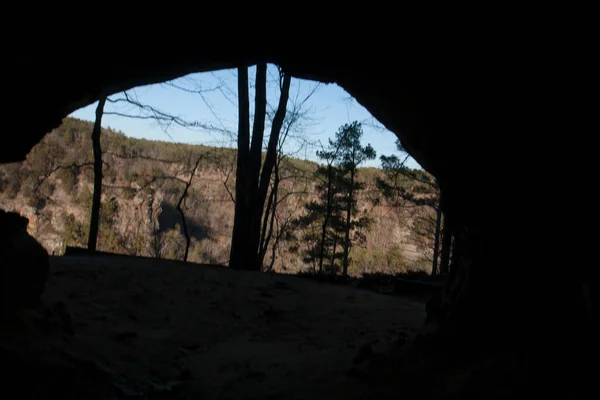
(193,331)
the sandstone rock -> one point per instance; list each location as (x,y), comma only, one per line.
(24,264)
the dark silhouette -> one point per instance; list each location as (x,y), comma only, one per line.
(436,245)
(252,183)
(97,194)
(180,205)
(446,246)
(24,265)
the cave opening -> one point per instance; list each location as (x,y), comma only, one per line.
(428,114)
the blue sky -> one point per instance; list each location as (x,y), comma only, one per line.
(327,109)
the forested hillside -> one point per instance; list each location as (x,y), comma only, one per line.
(143,183)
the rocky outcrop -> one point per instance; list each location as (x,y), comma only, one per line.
(24,264)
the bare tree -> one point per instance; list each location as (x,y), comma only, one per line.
(225,161)
(96,198)
(284,216)
(180,209)
(166,121)
(258,184)
(252,183)
(294,126)
(48,174)
(296,120)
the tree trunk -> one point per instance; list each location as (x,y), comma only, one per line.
(267,226)
(258,127)
(446,242)
(265,178)
(279,229)
(267,170)
(273,255)
(436,245)
(333,271)
(269,218)
(251,193)
(327,216)
(348,218)
(97,196)
(258,130)
(455,251)
(180,209)
(238,256)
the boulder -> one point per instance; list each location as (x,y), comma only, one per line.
(24,264)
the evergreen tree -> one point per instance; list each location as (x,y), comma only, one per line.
(351,155)
(335,209)
(404,185)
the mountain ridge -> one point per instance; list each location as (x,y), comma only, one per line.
(141,185)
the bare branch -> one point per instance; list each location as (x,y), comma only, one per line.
(110,153)
(180,209)
(227,92)
(74,165)
(227,187)
(198,90)
(164,119)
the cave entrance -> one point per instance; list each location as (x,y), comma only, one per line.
(153,136)
(156,321)
(443,112)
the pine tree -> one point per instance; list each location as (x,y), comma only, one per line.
(404,185)
(330,219)
(351,155)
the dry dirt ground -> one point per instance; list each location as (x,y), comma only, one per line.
(171,330)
